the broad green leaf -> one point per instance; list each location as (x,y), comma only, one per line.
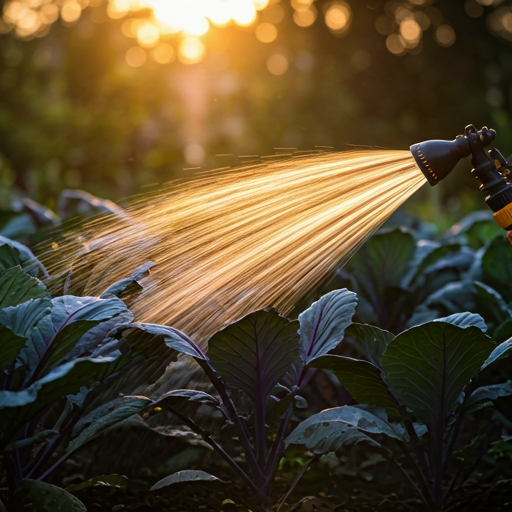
(22,318)
(116,481)
(500,352)
(67,338)
(187,475)
(44,497)
(17,287)
(497,266)
(427,367)
(109,414)
(130,285)
(10,345)
(464,320)
(487,393)
(255,352)
(321,436)
(362,379)
(371,340)
(18,407)
(322,326)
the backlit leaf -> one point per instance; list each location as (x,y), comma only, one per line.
(322,326)
(255,352)
(428,366)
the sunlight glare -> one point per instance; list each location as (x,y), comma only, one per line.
(163,53)
(243,12)
(338,17)
(266,32)
(147,34)
(70,11)
(191,50)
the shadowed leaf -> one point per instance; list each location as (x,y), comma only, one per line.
(371,340)
(330,429)
(362,379)
(106,416)
(44,498)
(18,407)
(117,481)
(487,393)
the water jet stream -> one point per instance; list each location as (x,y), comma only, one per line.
(241,239)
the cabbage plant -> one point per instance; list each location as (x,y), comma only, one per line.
(262,358)
(58,365)
(414,388)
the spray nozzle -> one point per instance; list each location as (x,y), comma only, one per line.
(437,158)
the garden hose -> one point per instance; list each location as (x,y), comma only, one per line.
(437,158)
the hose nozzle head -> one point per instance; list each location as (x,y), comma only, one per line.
(437,158)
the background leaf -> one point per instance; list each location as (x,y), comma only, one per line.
(497,267)
(13,253)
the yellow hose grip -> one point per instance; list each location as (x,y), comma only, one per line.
(504,216)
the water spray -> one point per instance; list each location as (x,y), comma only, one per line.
(437,158)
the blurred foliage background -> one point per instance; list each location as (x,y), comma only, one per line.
(115,96)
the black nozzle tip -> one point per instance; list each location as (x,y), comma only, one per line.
(423,164)
(437,158)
